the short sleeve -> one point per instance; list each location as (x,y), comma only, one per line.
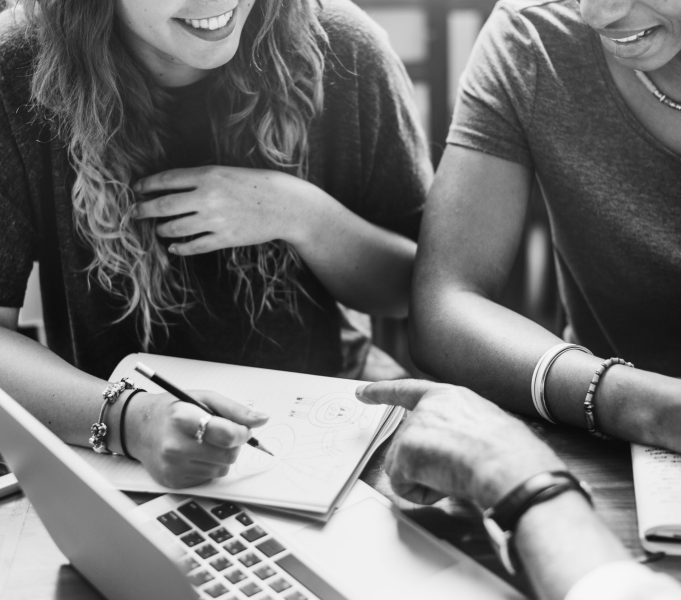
(17,241)
(493,110)
(396,167)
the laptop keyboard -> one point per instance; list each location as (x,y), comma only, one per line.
(228,555)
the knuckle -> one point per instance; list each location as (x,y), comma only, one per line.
(164,205)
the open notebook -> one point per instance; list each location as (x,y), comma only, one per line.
(320,434)
(657,485)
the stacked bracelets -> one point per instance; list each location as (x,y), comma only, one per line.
(99,430)
(541,371)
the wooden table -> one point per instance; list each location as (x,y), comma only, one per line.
(32,568)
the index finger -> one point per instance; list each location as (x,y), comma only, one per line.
(166,180)
(399,392)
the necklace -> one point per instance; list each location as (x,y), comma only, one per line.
(654,90)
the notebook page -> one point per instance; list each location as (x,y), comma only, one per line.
(657,485)
(318,431)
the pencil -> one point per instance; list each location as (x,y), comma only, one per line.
(185,397)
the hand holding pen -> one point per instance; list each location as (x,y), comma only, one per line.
(185,397)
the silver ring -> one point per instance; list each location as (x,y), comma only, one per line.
(201,429)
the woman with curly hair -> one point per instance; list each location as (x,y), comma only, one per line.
(205,179)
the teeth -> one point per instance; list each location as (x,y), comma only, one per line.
(212,23)
(631,38)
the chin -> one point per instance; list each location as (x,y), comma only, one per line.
(209,61)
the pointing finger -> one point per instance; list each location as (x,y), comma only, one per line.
(401,392)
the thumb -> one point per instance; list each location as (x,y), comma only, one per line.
(232,410)
(399,392)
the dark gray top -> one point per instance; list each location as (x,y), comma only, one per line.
(367,151)
(538,92)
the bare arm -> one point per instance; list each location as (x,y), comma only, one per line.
(363,266)
(470,234)
(160,430)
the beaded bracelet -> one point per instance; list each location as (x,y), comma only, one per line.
(124,410)
(99,429)
(589,405)
(540,374)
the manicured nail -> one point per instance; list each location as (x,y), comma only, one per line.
(172,249)
(359,391)
(256,414)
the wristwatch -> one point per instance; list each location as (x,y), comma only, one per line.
(501,520)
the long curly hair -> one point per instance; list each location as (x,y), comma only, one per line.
(110,115)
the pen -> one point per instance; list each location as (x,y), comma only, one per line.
(185,397)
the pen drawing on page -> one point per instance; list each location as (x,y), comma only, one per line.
(312,441)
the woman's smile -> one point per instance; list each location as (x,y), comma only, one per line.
(210,29)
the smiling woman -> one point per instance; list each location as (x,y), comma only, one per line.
(204,179)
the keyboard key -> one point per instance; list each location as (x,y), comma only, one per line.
(264,572)
(220,535)
(308,578)
(192,539)
(296,595)
(254,533)
(270,547)
(206,551)
(249,559)
(244,519)
(234,547)
(221,563)
(187,563)
(225,510)
(236,576)
(215,591)
(172,521)
(198,515)
(200,577)
(250,589)
(279,584)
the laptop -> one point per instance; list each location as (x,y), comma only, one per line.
(182,548)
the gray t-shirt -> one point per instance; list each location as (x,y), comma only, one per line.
(538,92)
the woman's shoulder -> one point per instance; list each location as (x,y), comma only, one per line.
(549,21)
(351,31)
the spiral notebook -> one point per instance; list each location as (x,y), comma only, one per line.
(320,434)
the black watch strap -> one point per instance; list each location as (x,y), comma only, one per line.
(502,519)
(536,489)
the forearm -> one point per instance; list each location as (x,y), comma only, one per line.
(64,398)
(462,337)
(560,541)
(365,267)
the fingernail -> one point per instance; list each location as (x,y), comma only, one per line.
(172,249)
(256,414)
(359,391)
